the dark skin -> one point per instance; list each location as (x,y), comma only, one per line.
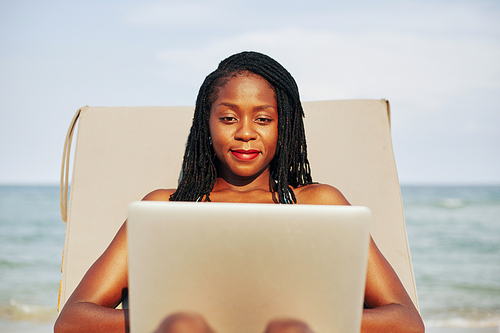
(243,126)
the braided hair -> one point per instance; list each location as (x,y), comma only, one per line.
(289,166)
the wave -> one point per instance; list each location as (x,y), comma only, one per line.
(17,311)
(462,323)
(451,203)
(468,319)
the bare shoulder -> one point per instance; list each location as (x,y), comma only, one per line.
(159,195)
(319,194)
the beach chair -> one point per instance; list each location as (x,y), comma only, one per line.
(122,153)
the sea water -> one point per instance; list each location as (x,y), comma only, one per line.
(31,243)
(454,235)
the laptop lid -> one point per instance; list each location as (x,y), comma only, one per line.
(242,265)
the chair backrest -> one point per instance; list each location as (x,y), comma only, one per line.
(123,153)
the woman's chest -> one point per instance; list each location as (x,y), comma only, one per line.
(254,196)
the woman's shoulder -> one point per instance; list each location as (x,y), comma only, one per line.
(161,194)
(319,194)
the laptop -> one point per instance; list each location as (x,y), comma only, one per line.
(242,265)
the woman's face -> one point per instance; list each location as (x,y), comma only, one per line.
(244,125)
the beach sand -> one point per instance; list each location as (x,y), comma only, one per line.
(462,330)
(26,327)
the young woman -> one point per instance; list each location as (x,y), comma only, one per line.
(247,144)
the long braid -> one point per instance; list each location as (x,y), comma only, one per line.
(289,166)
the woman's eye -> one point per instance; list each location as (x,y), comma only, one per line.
(228,119)
(264,120)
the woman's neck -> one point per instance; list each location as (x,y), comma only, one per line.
(229,181)
(232,188)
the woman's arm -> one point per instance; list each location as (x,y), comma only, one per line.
(91,306)
(390,307)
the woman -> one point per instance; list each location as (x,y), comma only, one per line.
(247,144)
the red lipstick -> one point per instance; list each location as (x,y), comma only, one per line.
(245,155)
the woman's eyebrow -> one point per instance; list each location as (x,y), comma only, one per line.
(263,107)
(227,104)
(257,108)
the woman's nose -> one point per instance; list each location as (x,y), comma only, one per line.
(245,131)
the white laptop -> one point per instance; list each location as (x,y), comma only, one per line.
(242,265)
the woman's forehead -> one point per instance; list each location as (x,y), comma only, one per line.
(242,74)
(247,85)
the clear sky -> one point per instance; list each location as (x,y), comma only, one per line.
(437,62)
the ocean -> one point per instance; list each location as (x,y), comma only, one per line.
(454,235)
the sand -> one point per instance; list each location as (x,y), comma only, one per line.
(462,330)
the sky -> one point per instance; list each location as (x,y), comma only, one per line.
(437,62)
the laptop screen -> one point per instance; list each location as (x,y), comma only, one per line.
(242,265)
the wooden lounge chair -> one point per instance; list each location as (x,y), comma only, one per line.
(122,153)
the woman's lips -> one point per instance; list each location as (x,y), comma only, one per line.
(245,155)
